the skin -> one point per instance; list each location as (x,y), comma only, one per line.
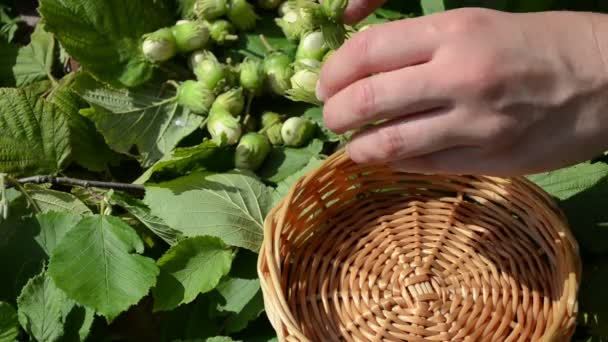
(472,91)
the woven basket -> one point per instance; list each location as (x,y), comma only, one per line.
(364,253)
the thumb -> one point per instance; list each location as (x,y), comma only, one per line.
(359,9)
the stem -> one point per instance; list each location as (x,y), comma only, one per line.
(102,207)
(41,179)
(204,123)
(172,83)
(249,100)
(163,87)
(272,123)
(3,200)
(264,129)
(165,101)
(27,196)
(266,43)
(53,80)
(105,207)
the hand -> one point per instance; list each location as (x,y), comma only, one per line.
(473,91)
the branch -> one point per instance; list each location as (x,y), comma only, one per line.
(82,183)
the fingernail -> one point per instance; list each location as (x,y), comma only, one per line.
(319,92)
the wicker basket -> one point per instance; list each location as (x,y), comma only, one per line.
(364,253)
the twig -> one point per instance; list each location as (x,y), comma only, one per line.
(18,185)
(41,179)
(249,100)
(266,44)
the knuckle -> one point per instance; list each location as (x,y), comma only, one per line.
(480,77)
(360,46)
(500,131)
(391,142)
(466,20)
(329,78)
(364,97)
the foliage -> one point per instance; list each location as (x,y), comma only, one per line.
(176,257)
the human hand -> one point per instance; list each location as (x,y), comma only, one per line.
(473,91)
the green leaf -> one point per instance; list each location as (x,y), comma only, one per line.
(9,325)
(237,292)
(89,149)
(243,299)
(47,314)
(242,296)
(9,24)
(39,89)
(382,15)
(35,135)
(53,200)
(140,211)
(207,156)
(210,339)
(193,321)
(259,330)
(21,257)
(42,309)
(91,197)
(567,182)
(250,44)
(220,339)
(30,243)
(193,266)
(432,6)
(251,311)
(78,324)
(284,186)
(583,193)
(35,61)
(285,161)
(373,19)
(316,115)
(138,117)
(95,264)
(105,36)
(53,227)
(231,206)
(26,239)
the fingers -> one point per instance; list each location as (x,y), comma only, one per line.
(378,49)
(384,96)
(359,9)
(458,160)
(410,137)
(468,161)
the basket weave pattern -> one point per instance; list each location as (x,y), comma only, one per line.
(364,253)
